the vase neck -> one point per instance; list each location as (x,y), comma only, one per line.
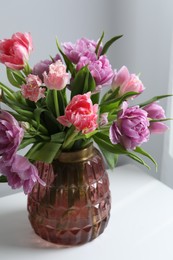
(77,156)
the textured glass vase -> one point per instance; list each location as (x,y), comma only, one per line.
(74,207)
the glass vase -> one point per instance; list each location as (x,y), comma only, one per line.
(74,206)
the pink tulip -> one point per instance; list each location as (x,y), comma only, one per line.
(43,66)
(14,52)
(120,77)
(32,90)
(56,78)
(81,113)
(126,82)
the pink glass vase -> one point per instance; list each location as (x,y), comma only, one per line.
(74,207)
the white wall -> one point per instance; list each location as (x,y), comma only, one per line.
(145,47)
(46,20)
(147,26)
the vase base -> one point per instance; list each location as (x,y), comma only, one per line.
(72,237)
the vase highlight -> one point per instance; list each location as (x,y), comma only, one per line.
(74,206)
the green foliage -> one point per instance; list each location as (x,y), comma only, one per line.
(99,43)
(154,99)
(43,151)
(3,179)
(109,43)
(105,144)
(16,78)
(82,83)
(69,64)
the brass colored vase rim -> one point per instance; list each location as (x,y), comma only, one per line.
(76,156)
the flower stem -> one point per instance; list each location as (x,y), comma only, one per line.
(70,141)
(55,96)
(7,91)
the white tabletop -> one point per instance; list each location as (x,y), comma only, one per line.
(140,227)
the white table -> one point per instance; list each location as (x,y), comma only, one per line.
(140,228)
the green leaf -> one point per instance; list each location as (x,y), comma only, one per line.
(27,70)
(115,103)
(91,134)
(26,142)
(109,107)
(144,153)
(58,137)
(20,109)
(111,158)
(32,122)
(37,113)
(137,159)
(50,122)
(161,120)
(15,78)
(44,151)
(19,77)
(110,95)
(126,96)
(20,100)
(83,82)
(15,99)
(61,102)
(154,99)
(77,84)
(3,179)
(98,45)
(104,143)
(95,98)
(91,82)
(56,102)
(50,101)
(19,117)
(9,92)
(109,43)
(68,63)
(86,79)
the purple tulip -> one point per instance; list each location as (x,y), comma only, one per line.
(131,127)
(100,68)
(155,111)
(82,47)
(20,172)
(11,134)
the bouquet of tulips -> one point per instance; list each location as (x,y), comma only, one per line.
(57,106)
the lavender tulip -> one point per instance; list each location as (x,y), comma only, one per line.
(82,47)
(20,172)
(155,111)
(11,134)
(100,68)
(131,127)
